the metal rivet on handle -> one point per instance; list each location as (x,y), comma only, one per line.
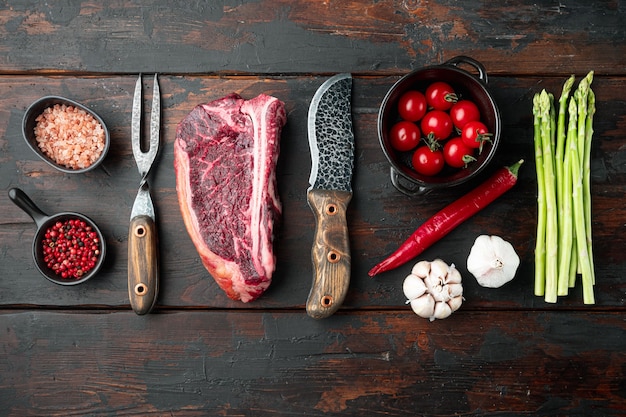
(333,257)
(327,301)
(140,289)
(331,209)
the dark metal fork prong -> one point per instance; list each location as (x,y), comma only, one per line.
(155,116)
(136,121)
(144,160)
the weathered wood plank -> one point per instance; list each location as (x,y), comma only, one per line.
(82,351)
(279,36)
(283,363)
(380,217)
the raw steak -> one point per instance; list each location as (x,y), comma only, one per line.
(225,157)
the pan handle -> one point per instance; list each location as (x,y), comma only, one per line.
(405,187)
(457,60)
(24,202)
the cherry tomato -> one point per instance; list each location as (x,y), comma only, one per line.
(437,123)
(457,154)
(440,95)
(404,136)
(427,161)
(475,133)
(463,112)
(412,106)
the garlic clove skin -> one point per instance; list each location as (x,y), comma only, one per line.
(454,276)
(424,306)
(455,303)
(421,269)
(454,290)
(432,282)
(493,261)
(413,287)
(440,294)
(433,289)
(442,311)
(439,269)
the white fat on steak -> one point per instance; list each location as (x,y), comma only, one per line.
(225,157)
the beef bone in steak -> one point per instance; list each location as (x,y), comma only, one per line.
(225,157)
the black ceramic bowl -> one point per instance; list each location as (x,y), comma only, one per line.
(44,222)
(467,86)
(28,129)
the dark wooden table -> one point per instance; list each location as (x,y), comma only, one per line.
(82,351)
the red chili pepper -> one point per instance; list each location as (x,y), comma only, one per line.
(450,217)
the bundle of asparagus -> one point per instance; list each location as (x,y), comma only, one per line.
(562,155)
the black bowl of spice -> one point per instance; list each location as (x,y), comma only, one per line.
(68,248)
(66,134)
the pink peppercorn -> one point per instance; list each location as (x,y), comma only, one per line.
(71,248)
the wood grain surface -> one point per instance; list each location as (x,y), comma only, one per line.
(82,351)
(330,254)
(193,363)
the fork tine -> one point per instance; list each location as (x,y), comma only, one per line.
(143,159)
(136,121)
(155,116)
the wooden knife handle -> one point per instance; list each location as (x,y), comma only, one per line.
(143,268)
(330,253)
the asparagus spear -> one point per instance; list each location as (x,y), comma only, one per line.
(563,192)
(591,109)
(579,216)
(545,103)
(540,243)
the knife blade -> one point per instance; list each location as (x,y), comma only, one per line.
(331,143)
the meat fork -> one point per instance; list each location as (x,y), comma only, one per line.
(143,262)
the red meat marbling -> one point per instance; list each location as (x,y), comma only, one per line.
(225,157)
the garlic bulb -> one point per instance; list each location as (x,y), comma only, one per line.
(433,289)
(493,261)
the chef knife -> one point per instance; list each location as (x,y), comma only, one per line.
(331,142)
